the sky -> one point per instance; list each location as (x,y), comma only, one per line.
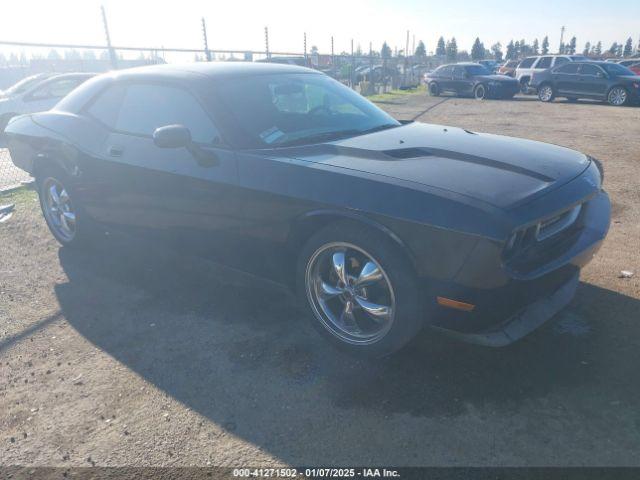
(239,24)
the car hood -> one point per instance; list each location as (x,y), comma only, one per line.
(502,171)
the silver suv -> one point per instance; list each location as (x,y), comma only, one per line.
(530,65)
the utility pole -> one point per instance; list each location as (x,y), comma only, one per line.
(112,53)
(406,59)
(306,63)
(561,40)
(207,53)
(266,42)
(353,67)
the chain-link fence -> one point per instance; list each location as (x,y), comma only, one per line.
(10,175)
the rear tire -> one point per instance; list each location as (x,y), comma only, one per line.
(371,318)
(480,92)
(434,89)
(65,217)
(546,93)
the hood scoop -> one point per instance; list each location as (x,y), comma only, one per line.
(404,153)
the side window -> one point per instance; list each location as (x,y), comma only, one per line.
(55,89)
(544,62)
(105,108)
(446,71)
(527,62)
(561,61)
(147,107)
(458,73)
(568,68)
(589,70)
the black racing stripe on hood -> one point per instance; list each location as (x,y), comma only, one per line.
(408,153)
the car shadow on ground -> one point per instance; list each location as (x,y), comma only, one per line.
(238,351)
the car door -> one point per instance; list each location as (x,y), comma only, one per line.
(566,78)
(164,194)
(445,79)
(459,82)
(593,81)
(542,64)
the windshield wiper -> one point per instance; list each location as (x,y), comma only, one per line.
(335,135)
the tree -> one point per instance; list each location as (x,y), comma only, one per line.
(441,50)
(545,45)
(536,47)
(477,50)
(525,49)
(452,49)
(571,48)
(496,49)
(421,50)
(385,51)
(516,49)
(587,49)
(53,55)
(511,51)
(628,48)
(613,49)
(598,49)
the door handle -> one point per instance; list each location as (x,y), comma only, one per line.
(115,151)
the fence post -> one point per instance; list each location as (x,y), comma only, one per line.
(112,53)
(207,53)
(266,42)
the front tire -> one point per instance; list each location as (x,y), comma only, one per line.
(546,93)
(62,211)
(360,290)
(617,96)
(434,89)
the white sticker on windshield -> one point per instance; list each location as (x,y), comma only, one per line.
(271,135)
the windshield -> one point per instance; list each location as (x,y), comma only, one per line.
(477,70)
(24,84)
(617,70)
(294,109)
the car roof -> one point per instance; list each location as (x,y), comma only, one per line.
(210,69)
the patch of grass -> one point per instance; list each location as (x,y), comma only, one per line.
(19,196)
(392,95)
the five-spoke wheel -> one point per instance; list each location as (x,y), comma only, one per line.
(350,293)
(58,210)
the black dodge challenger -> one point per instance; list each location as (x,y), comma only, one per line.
(382,227)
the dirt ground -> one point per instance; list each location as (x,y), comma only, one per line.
(134,356)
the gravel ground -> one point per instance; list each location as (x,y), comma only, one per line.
(134,356)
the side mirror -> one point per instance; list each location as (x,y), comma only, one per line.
(600,75)
(172,136)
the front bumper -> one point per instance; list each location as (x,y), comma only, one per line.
(523,322)
(503,89)
(533,290)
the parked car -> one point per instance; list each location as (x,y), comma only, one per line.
(37,94)
(470,79)
(381,227)
(605,81)
(377,74)
(530,65)
(635,68)
(24,84)
(508,68)
(490,65)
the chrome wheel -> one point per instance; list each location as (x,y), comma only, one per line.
(546,93)
(617,96)
(58,209)
(350,293)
